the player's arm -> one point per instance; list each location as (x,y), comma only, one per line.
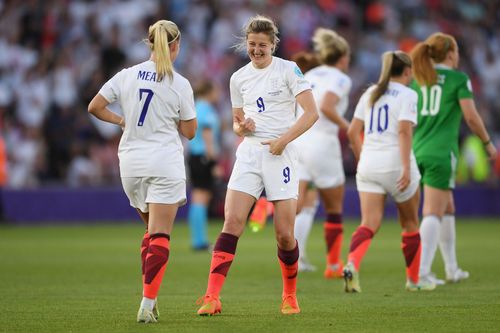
(308,118)
(328,108)
(405,132)
(208,138)
(354,134)
(242,126)
(476,125)
(98,108)
(188,128)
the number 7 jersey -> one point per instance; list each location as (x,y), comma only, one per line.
(439,113)
(150,145)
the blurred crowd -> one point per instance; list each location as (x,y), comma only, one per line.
(56,54)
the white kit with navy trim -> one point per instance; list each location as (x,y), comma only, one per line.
(150,145)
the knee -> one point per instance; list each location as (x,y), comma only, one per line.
(371,223)
(286,240)
(450,211)
(234,224)
(410,226)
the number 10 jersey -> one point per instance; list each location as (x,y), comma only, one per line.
(380,152)
(440,114)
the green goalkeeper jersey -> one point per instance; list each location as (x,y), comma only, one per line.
(439,113)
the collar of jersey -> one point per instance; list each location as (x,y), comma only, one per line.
(397,84)
(442,66)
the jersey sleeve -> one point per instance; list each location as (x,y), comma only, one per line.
(409,107)
(359,112)
(187,111)
(465,87)
(295,79)
(236,98)
(111,89)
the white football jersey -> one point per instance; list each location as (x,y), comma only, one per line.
(150,145)
(268,95)
(380,151)
(326,79)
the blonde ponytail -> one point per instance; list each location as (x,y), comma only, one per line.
(384,78)
(393,65)
(161,35)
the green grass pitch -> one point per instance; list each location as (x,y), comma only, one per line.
(87,279)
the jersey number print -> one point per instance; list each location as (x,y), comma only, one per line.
(145,107)
(430,103)
(286,174)
(260,104)
(382,119)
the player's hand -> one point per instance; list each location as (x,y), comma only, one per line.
(404,179)
(217,171)
(245,126)
(122,124)
(276,146)
(491,150)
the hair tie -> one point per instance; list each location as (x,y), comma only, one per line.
(173,40)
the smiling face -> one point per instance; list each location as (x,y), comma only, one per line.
(260,49)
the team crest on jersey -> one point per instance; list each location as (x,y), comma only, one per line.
(274,85)
(298,72)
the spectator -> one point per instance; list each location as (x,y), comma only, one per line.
(55,52)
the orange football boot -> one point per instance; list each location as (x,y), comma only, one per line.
(211,305)
(289,305)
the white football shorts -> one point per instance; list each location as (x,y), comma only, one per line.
(386,183)
(320,160)
(143,190)
(257,169)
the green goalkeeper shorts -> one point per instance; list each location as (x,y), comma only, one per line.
(438,172)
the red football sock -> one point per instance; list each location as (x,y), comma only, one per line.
(289,267)
(333,231)
(411,249)
(144,252)
(222,258)
(360,242)
(156,263)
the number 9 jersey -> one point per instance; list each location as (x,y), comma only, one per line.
(268,95)
(380,152)
(150,145)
